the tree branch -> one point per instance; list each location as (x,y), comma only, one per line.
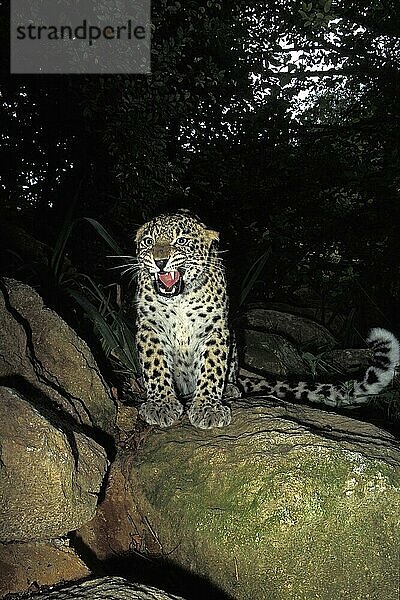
(306,74)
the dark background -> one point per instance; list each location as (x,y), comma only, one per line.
(276,122)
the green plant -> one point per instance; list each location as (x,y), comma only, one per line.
(318,365)
(252,275)
(114,333)
(388,402)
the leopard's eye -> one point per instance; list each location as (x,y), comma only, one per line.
(147,241)
(181,241)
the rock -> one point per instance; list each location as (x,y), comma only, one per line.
(32,565)
(108,588)
(271,353)
(300,330)
(288,502)
(345,361)
(40,353)
(50,475)
(126,421)
(330,318)
(113,531)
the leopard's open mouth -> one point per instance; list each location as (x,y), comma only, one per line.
(168,283)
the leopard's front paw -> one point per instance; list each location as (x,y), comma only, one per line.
(161,413)
(209,416)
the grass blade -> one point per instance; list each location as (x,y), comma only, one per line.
(103,233)
(252,275)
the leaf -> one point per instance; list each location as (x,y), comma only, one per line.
(97,318)
(285,79)
(116,337)
(104,235)
(252,275)
(58,255)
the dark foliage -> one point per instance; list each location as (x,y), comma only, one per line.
(278,122)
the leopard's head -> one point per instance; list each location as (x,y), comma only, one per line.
(177,252)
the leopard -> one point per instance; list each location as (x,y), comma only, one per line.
(186,348)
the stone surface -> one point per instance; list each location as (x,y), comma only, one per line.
(288,502)
(335,321)
(271,353)
(109,588)
(40,353)
(113,531)
(28,566)
(300,330)
(50,475)
(343,362)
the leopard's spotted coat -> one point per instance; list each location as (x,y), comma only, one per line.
(184,344)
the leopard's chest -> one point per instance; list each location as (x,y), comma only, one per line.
(183,324)
(184,328)
(185,333)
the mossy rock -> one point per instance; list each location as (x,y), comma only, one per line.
(50,477)
(288,502)
(39,350)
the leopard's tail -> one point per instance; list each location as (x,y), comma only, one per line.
(386,356)
(385,359)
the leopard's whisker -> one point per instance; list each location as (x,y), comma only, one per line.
(133,258)
(127,265)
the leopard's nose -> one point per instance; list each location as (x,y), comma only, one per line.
(161,263)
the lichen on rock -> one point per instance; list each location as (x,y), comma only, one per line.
(39,350)
(287,502)
(50,479)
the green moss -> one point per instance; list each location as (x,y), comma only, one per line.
(312,522)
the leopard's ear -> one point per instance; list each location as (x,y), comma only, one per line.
(212,236)
(139,233)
